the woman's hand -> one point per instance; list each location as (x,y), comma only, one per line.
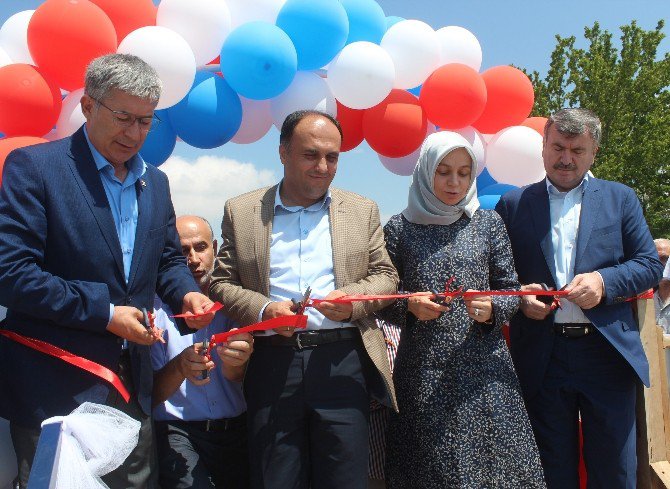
(479,307)
(424,308)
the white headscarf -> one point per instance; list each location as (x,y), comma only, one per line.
(423,206)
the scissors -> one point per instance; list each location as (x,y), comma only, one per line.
(550,299)
(204,374)
(298,307)
(148,321)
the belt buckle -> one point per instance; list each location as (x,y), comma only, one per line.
(208,425)
(297,341)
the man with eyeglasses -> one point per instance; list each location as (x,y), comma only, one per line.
(88,238)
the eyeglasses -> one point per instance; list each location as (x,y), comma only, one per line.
(126,120)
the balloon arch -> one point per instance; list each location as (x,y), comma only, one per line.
(233,68)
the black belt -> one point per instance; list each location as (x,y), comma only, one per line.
(573,330)
(307,339)
(209,425)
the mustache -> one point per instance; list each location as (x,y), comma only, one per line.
(564,166)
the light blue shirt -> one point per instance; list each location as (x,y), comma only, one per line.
(301,255)
(122,202)
(565,209)
(220,398)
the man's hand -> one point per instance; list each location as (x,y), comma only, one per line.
(335,311)
(279,309)
(531,307)
(192,363)
(197,303)
(237,350)
(586,290)
(424,308)
(126,323)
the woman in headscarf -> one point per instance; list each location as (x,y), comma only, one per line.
(462,421)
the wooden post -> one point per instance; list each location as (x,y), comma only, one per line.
(653,406)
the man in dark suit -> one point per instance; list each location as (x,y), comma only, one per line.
(585,359)
(88,237)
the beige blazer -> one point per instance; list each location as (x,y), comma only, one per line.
(241,277)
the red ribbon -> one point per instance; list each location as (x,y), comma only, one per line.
(297,321)
(213,308)
(346,299)
(94,368)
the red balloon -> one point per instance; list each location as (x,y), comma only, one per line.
(65,35)
(397,126)
(510,99)
(29,103)
(351,121)
(536,123)
(8,145)
(128,15)
(453,96)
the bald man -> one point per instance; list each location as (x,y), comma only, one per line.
(200,423)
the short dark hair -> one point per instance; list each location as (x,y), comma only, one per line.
(292,120)
(574,122)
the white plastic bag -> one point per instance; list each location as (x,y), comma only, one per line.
(94,440)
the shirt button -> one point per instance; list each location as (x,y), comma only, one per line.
(127,219)
(304,232)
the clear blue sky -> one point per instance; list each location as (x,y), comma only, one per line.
(519,32)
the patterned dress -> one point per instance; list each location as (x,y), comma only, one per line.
(462,421)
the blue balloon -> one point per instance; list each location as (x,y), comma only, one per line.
(484,180)
(160,141)
(318,29)
(366,21)
(415,91)
(496,189)
(258,60)
(209,115)
(488,201)
(391,20)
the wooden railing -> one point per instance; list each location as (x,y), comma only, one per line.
(653,406)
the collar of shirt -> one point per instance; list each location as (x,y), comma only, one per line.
(316,206)
(554,192)
(136,165)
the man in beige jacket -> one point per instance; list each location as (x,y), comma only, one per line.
(308,391)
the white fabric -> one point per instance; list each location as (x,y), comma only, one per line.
(95,439)
(423,206)
(666,271)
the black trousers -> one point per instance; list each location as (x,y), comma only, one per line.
(189,456)
(308,416)
(138,470)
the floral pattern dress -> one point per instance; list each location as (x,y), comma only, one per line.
(462,420)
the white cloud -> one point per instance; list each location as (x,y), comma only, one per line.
(201,187)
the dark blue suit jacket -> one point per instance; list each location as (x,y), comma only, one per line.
(613,239)
(60,268)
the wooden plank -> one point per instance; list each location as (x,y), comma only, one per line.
(653,396)
(660,475)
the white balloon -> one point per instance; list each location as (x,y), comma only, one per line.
(204,24)
(71,117)
(307,91)
(477,144)
(4,58)
(459,45)
(361,75)
(14,37)
(256,121)
(514,156)
(404,166)
(243,11)
(415,50)
(169,54)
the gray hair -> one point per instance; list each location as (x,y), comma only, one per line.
(124,72)
(573,122)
